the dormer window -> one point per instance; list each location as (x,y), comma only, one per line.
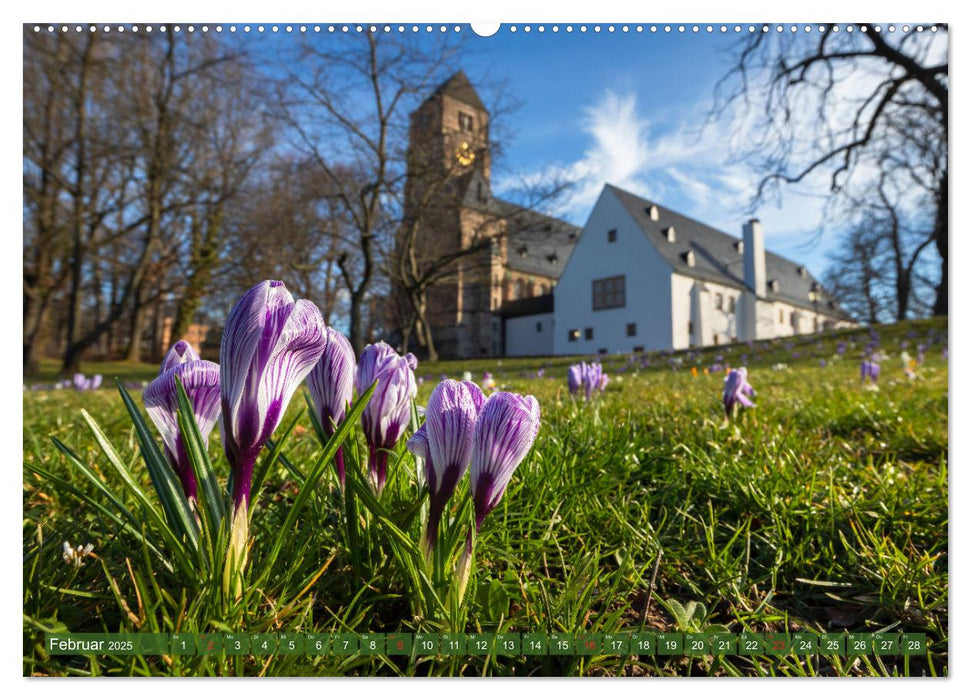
(689,258)
(803,272)
(653,212)
(523,251)
(774,285)
(573,236)
(612,235)
(553,258)
(669,234)
(739,247)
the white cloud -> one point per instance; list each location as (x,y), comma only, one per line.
(687,166)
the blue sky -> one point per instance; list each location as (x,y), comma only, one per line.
(632,109)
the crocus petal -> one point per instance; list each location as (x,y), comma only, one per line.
(180,353)
(450,421)
(269,346)
(389,410)
(200,379)
(504,434)
(331,381)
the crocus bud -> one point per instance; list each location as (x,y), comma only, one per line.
(869,371)
(201,382)
(444,441)
(504,434)
(269,345)
(178,354)
(331,385)
(574,378)
(389,410)
(737,391)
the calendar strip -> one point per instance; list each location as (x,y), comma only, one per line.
(488,644)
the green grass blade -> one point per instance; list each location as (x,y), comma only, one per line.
(343,430)
(271,458)
(166,483)
(214,500)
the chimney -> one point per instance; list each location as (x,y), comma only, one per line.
(754,250)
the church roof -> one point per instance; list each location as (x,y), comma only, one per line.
(459,87)
(536,244)
(718,258)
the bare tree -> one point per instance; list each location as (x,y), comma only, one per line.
(347,109)
(830,104)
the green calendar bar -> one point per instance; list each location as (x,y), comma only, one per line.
(398,644)
(804,643)
(913,644)
(509,644)
(426,644)
(316,644)
(481,644)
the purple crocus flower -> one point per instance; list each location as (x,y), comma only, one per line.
(200,379)
(331,385)
(574,378)
(179,353)
(737,391)
(869,371)
(504,434)
(82,383)
(444,441)
(389,410)
(269,345)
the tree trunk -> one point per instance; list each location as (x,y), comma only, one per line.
(424,329)
(940,230)
(138,315)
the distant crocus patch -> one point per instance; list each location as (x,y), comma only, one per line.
(737,391)
(82,383)
(869,372)
(587,376)
(389,410)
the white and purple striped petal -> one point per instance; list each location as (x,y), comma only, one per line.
(201,381)
(269,345)
(389,410)
(179,353)
(504,434)
(331,384)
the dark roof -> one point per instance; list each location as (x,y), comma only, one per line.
(528,306)
(717,258)
(537,244)
(459,87)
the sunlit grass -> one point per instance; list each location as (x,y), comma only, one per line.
(823,509)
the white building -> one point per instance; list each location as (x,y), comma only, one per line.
(643,277)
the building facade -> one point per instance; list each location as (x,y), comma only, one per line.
(450,208)
(638,276)
(643,277)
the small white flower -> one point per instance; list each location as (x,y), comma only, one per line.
(75,556)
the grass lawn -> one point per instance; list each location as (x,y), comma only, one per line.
(823,509)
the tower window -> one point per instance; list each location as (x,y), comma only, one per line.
(539,326)
(612,235)
(466,122)
(719,301)
(731,304)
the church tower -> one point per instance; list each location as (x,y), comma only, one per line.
(447,194)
